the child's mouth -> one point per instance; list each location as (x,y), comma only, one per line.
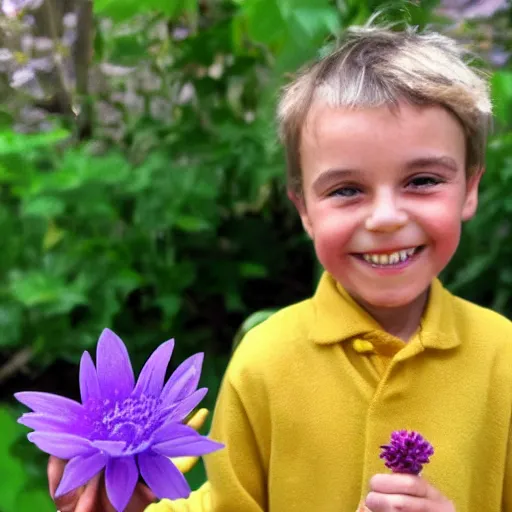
(392,259)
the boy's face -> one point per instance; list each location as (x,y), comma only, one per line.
(384,194)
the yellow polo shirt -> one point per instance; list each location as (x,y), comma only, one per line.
(311,394)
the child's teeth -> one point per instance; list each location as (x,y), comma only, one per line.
(394,258)
(389,259)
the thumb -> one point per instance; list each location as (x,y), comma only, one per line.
(55,469)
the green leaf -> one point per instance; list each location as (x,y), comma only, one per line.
(252,270)
(128,50)
(121,10)
(472,270)
(167,7)
(192,224)
(37,288)
(34,499)
(264,21)
(15,493)
(252,321)
(12,142)
(118,10)
(11,321)
(310,20)
(170,305)
(11,469)
(45,207)
(52,236)
(126,280)
(501,87)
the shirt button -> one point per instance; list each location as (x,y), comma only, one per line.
(363,346)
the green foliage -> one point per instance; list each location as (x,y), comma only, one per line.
(122,10)
(481,270)
(16,489)
(104,241)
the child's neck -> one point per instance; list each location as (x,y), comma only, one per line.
(402,321)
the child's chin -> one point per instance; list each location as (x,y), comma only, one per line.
(389,298)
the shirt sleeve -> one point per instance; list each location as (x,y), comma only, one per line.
(198,501)
(236,475)
(507,483)
(237,472)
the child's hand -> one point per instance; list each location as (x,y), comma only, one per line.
(405,493)
(93,496)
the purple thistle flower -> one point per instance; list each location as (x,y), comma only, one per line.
(122,426)
(406,452)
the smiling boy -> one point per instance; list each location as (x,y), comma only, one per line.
(383,195)
(385,143)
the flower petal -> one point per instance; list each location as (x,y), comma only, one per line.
(79,471)
(111,448)
(59,444)
(172,430)
(177,440)
(162,476)
(183,381)
(115,373)
(53,405)
(43,422)
(121,477)
(151,378)
(180,411)
(89,385)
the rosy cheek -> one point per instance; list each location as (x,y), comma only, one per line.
(332,235)
(444,229)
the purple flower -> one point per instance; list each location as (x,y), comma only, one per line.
(12,8)
(461,9)
(407,452)
(122,426)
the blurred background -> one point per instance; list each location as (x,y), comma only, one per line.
(142,185)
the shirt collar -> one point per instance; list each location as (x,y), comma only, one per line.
(337,317)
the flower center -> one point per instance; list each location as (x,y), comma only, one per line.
(132,420)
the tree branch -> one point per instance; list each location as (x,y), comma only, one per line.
(63,95)
(82,62)
(17,361)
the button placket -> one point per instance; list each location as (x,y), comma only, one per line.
(376,402)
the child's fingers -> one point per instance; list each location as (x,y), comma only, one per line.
(377,502)
(55,469)
(184,464)
(409,493)
(69,501)
(198,419)
(90,500)
(410,485)
(142,498)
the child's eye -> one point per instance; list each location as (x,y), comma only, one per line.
(424,181)
(345,192)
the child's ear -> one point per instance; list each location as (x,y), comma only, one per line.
(471,201)
(300,205)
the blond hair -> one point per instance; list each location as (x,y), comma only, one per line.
(377,66)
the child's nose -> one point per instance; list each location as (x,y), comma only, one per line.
(385,214)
